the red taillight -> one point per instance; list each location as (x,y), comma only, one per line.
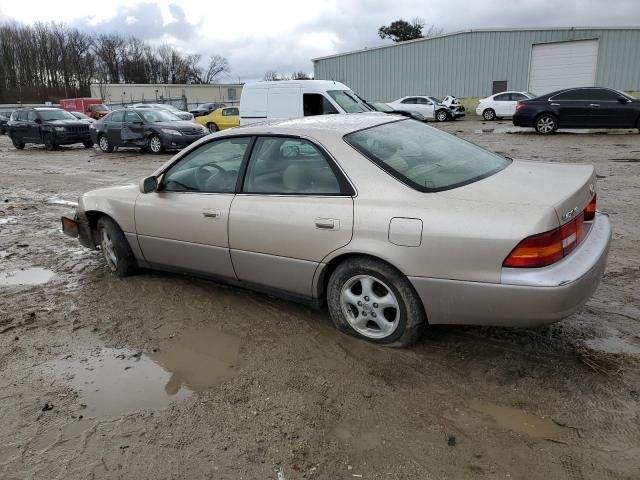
(590,211)
(549,247)
(519,105)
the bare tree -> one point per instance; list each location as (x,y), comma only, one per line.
(301,76)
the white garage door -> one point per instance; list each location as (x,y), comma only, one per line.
(563,65)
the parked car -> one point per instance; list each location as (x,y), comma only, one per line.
(165,106)
(282,100)
(206,108)
(592,107)
(49,126)
(391,222)
(82,116)
(423,105)
(93,107)
(4,118)
(501,104)
(221,119)
(153,129)
(384,108)
(457,109)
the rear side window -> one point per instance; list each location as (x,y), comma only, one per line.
(604,95)
(229,112)
(424,157)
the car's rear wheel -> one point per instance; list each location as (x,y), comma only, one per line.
(49,141)
(371,300)
(489,114)
(155,144)
(212,127)
(88,144)
(546,124)
(115,248)
(19,144)
(103,143)
(442,116)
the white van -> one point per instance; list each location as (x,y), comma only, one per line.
(282,100)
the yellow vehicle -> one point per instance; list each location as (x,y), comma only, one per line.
(220,119)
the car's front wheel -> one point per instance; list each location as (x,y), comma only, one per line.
(115,248)
(546,124)
(489,114)
(49,140)
(212,127)
(155,144)
(370,299)
(442,116)
(19,144)
(103,143)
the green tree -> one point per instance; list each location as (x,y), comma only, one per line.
(401,30)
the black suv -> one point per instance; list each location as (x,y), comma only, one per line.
(51,126)
(590,107)
(152,129)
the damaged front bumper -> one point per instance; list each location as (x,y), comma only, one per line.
(77,226)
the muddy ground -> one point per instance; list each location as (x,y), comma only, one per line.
(161,376)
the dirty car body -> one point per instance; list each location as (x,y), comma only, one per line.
(392,223)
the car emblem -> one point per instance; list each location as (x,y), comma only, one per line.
(570,213)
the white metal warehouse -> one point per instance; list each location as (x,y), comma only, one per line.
(476,63)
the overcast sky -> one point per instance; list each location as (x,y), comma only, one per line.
(283,35)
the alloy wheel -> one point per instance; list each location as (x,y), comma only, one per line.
(104,143)
(370,306)
(488,114)
(155,145)
(109,252)
(442,116)
(546,124)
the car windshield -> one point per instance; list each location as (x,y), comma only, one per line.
(435,100)
(55,115)
(158,115)
(79,115)
(167,106)
(381,107)
(424,157)
(349,101)
(203,106)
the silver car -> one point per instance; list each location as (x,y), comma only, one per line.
(392,223)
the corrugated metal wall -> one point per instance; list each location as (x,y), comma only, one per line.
(465,64)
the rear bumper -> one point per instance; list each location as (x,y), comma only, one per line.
(527,296)
(522,119)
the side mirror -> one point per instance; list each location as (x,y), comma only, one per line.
(37,120)
(622,99)
(149,184)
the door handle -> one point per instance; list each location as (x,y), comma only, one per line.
(327,223)
(555,104)
(211,213)
(594,105)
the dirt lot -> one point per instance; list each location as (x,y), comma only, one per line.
(160,376)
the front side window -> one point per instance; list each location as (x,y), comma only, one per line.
(349,101)
(604,95)
(31,116)
(424,157)
(289,166)
(317,104)
(158,115)
(410,101)
(130,117)
(228,112)
(210,168)
(503,97)
(518,96)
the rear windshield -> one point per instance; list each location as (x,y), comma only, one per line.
(424,157)
(349,101)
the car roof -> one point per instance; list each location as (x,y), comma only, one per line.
(342,124)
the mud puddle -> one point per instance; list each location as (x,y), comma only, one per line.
(509,418)
(113,382)
(28,276)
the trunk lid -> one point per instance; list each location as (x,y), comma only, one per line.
(567,188)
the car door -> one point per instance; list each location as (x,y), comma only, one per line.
(572,108)
(294,209)
(132,131)
(610,109)
(426,107)
(114,128)
(502,103)
(515,98)
(409,104)
(19,125)
(226,119)
(32,126)
(183,225)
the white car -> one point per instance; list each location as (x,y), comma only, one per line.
(424,105)
(501,104)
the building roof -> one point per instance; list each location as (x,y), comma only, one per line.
(462,32)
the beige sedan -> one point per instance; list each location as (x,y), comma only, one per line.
(389,222)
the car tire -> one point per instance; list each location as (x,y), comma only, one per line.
(88,144)
(213,128)
(546,123)
(115,248)
(399,324)
(19,144)
(155,144)
(442,116)
(489,114)
(49,141)
(103,143)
